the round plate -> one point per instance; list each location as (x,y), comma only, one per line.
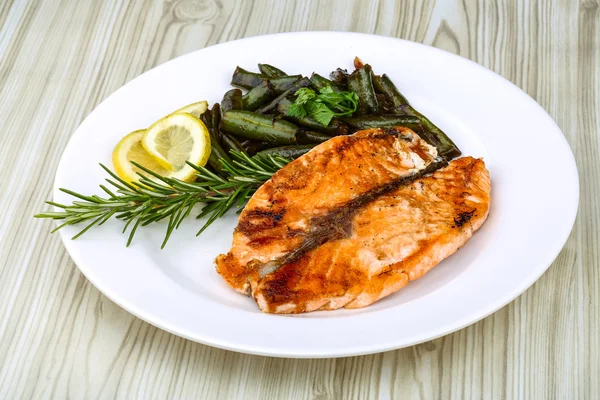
(178,289)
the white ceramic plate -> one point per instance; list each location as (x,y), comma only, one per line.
(177,289)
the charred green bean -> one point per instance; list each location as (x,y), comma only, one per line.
(232,100)
(377,83)
(385,105)
(339,77)
(270,71)
(446,147)
(361,83)
(216,120)
(282,84)
(216,151)
(272,106)
(305,137)
(258,96)
(230,142)
(383,121)
(251,147)
(254,126)
(388,88)
(386,121)
(246,79)
(206,117)
(320,82)
(290,152)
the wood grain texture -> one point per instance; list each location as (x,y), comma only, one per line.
(61,338)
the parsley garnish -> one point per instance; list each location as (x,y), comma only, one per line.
(323,106)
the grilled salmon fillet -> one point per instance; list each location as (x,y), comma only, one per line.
(353,221)
(394,239)
(309,201)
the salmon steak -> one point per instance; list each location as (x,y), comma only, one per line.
(353,221)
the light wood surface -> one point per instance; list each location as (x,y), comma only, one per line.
(61,338)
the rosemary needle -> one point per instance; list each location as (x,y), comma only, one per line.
(155,198)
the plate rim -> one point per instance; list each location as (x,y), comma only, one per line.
(457,324)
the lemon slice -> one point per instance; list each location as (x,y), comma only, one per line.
(196,109)
(175,139)
(130,149)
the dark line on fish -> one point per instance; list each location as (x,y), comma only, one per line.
(337,224)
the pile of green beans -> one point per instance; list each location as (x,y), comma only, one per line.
(257,121)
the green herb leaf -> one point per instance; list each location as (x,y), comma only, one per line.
(297,110)
(305,95)
(324,106)
(327,90)
(320,112)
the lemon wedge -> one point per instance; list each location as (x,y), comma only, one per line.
(175,139)
(130,149)
(196,109)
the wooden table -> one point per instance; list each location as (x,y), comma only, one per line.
(59,337)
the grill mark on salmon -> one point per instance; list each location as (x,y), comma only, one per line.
(337,224)
(306,203)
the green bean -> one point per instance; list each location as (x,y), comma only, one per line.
(305,137)
(339,77)
(387,121)
(383,121)
(272,106)
(246,79)
(335,127)
(232,100)
(282,84)
(385,105)
(254,126)
(319,82)
(388,88)
(230,143)
(343,128)
(360,82)
(206,118)
(291,152)
(257,96)
(270,71)
(377,83)
(216,151)
(446,147)
(216,120)
(251,147)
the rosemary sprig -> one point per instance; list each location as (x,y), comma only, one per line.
(155,198)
